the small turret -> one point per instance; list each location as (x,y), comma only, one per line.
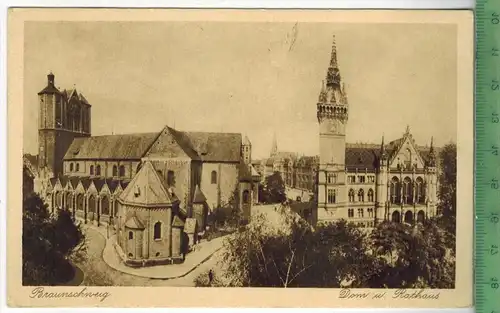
(432,155)
(383,152)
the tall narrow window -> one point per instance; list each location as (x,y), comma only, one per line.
(246,196)
(360,213)
(351,195)
(332,178)
(395,191)
(71,167)
(77,167)
(115,170)
(98,170)
(157,230)
(361,195)
(170,178)
(213,177)
(408,190)
(332,195)
(122,170)
(92,170)
(370,195)
(350,212)
(130,235)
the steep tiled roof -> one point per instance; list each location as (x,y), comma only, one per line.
(198,197)
(49,90)
(177,222)
(129,146)
(86,181)
(99,183)
(74,181)
(216,147)
(134,223)
(112,185)
(361,158)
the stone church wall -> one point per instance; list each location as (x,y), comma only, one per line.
(220,193)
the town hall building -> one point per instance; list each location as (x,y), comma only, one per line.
(153,190)
(369,183)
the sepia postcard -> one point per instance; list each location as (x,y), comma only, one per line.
(240,158)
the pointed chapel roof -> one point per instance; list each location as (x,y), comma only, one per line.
(246,141)
(198,197)
(146,189)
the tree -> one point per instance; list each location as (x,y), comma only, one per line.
(48,242)
(295,255)
(447,193)
(410,257)
(273,190)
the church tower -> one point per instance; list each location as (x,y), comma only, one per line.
(332,112)
(246,151)
(274,148)
(62,116)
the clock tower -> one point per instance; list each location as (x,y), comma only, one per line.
(332,112)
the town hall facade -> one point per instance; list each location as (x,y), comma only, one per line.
(369,183)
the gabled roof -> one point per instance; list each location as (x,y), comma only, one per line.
(113,184)
(134,223)
(198,197)
(99,183)
(177,222)
(121,147)
(73,181)
(146,189)
(85,181)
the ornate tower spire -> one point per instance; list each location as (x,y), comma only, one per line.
(332,100)
(333,58)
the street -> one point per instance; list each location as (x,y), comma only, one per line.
(98,273)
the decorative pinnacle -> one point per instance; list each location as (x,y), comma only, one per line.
(407,131)
(333,59)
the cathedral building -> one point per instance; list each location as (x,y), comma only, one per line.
(153,190)
(365,183)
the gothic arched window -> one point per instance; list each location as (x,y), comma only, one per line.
(361,195)
(115,170)
(213,177)
(351,195)
(98,170)
(77,167)
(130,235)
(71,167)
(420,192)
(157,230)
(407,190)
(92,170)
(370,195)
(395,191)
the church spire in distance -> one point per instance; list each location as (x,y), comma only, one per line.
(274,148)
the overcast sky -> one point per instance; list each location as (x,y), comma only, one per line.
(250,78)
